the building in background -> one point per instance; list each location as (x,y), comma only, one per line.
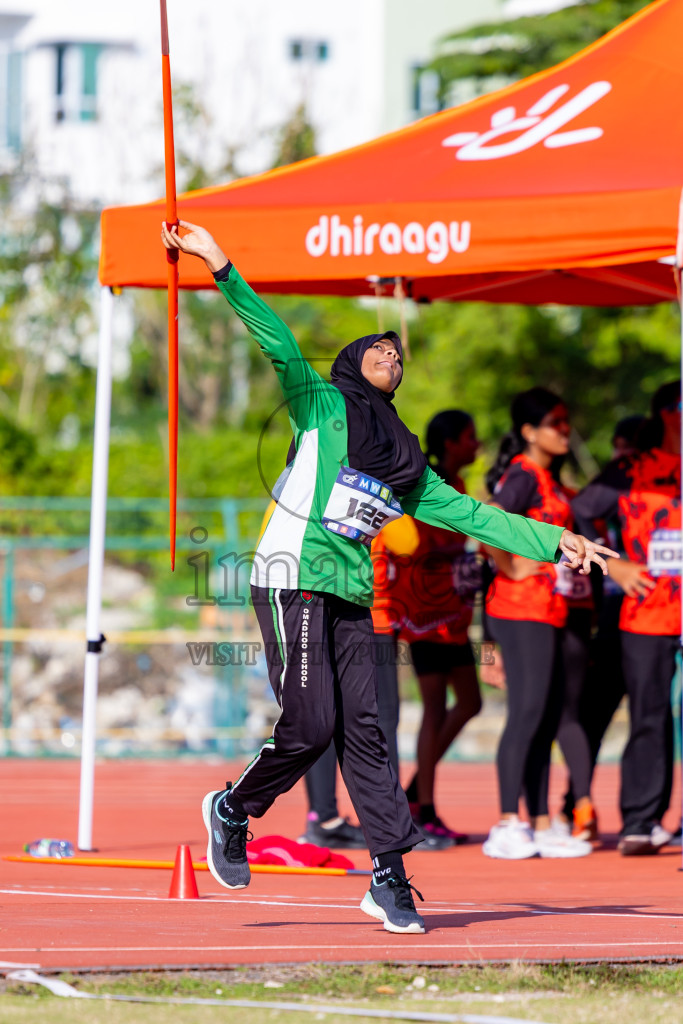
(80,83)
(524,8)
(11,25)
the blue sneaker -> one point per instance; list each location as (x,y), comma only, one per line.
(226,854)
(392,902)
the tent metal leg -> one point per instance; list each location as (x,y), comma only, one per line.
(98,517)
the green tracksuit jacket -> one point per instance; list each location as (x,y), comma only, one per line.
(297,551)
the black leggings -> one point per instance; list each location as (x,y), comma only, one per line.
(571,735)
(532,655)
(604,688)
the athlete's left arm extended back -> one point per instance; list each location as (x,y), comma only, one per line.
(434,502)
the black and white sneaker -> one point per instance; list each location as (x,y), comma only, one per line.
(226,854)
(392,902)
(339,834)
(431,840)
(643,842)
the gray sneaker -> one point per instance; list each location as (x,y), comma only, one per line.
(392,902)
(226,854)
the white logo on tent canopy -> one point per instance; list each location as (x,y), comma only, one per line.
(539,124)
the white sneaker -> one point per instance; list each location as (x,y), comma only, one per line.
(562,828)
(557,842)
(659,836)
(510,840)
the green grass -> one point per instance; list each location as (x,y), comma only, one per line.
(556,994)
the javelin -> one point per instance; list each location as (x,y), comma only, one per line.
(172,259)
(108,862)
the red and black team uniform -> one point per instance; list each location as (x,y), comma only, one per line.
(424,590)
(425,584)
(643,491)
(440,601)
(386,647)
(431,592)
(540,623)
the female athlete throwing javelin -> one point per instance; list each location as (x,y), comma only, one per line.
(357,467)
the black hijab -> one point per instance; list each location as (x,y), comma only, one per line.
(379,443)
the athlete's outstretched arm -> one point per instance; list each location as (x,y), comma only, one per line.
(434,502)
(308,395)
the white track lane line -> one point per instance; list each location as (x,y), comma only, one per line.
(469,946)
(166,899)
(251,901)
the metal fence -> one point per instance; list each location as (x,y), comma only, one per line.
(174,678)
(181,673)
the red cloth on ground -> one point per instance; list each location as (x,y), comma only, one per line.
(279,850)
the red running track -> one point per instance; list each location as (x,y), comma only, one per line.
(602,906)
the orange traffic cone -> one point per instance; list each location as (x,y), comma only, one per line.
(183,883)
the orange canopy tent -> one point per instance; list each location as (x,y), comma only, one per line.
(563,187)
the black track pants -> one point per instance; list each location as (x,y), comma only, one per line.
(649,664)
(321,778)
(531,655)
(321,665)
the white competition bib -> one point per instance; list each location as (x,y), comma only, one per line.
(570,583)
(359,506)
(664,553)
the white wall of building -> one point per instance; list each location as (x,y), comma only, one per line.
(355,77)
(525,8)
(411,31)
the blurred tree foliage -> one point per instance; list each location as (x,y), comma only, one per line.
(605,363)
(234,432)
(295,140)
(47,320)
(521,47)
(200,161)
